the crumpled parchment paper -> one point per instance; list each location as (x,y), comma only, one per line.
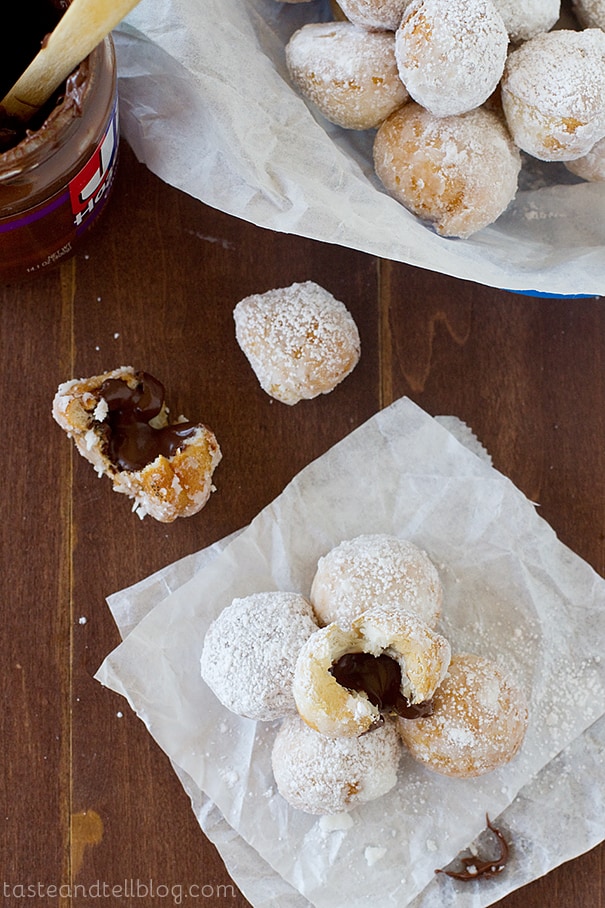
(512,592)
(206,103)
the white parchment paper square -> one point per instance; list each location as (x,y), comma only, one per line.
(512,591)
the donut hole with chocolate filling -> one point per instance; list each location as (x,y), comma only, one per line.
(132,423)
(379,677)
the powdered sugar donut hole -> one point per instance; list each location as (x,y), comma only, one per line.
(250,650)
(299,340)
(375,569)
(524,19)
(458,173)
(349,73)
(346,681)
(380,14)
(591,166)
(590,13)
(324,776)
(478,723)
(451,53)
(553,93)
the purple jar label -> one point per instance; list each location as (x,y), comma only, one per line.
(42,236)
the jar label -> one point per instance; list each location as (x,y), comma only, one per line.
(89,187)
(45,234)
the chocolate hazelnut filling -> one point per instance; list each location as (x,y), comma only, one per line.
(130,442)
(380,678)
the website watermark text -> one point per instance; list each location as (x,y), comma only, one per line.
(173,893)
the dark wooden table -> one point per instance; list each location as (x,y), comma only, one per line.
(87,796)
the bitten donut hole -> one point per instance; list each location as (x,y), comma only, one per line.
(341,674)
(120,423)
(379,677)
(134,428)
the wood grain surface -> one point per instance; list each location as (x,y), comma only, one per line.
(87,795)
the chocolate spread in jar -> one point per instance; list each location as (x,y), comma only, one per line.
(131,441)
(380,678)
(56,181)
(21,40)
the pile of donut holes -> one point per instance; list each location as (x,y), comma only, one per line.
(456,90)
(375,600)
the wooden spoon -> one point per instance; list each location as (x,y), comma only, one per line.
(82,27)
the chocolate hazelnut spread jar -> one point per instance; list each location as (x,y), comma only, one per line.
(56,181)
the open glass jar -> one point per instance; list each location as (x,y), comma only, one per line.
(56,181)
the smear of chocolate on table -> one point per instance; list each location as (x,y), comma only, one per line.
(475,868)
